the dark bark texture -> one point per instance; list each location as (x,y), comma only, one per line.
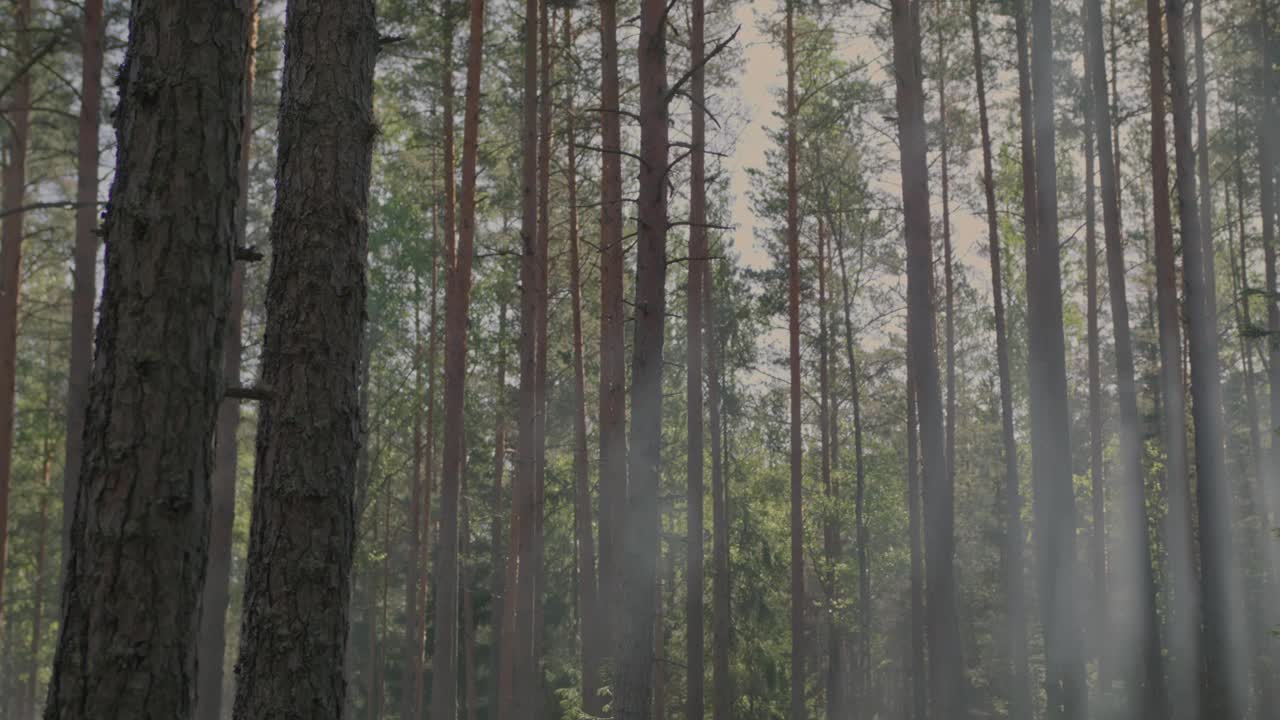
(302,538)
(139,538)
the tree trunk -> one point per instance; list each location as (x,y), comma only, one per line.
(517,654)
(633,697)
(429,465)
(946,663)
(470,696)
(588,631)
(1020,705)
(1136,631)
(695,671)
(722,693)
(217,588)
(303,532)
(1054,502)
(419,527)
(613,424)
(142,508)
(797,711)
(919,709)
(84,274)
(1267,173)
(12,196)
(835,685)
(1225,676)
(444,658)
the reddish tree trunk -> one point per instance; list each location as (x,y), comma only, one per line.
(84,258)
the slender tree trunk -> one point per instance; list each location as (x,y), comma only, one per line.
(919,705)
(946,663)
(831,546)
(722,693)
(1202,138)
(517,654)
(429,465)
(1020,705)
(863,662)
(659,647)
(418,527)
(1224,693)
(42,545)
(633,697)
(470,696)
(613,424)
(1136,631)
(217,588)
(588,602)
(695,670)
(948,262)
(170,236)
(84,273)
(797,711)
(1054,500)
(311,364)
(500,601)
(13,176)
(444,658)
(1183,641)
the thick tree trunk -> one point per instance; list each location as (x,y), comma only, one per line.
(142,507)
(1135,634)
(584,536)
(695,671)
(444,657)
(797,711)
(1225,676)
(84,273)
(1020,705)
(302,537)
(946,663)
(13,177)
(633,699)
(613,424)
(217,588)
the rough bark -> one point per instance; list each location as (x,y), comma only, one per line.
(302,537)
(13,176)
(1225,676)
(131,598)
(1020,706)
(444,657)
(84,273)
(946,664)
(217,588)
(633,699)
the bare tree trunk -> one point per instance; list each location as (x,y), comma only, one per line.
(1224,692)
(722,693)
(311,364)
(797,711)
(217,588)
(633,699)
(429,465)
(588,600)
(835,679)
(946,663)
(1020,705)
(517,652)
(84,274)
(695,671)
(1054,502)
(919,706)
(862,665)
(13,176)
(613,424)
(170,234)
(1136,630)
(444,657)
